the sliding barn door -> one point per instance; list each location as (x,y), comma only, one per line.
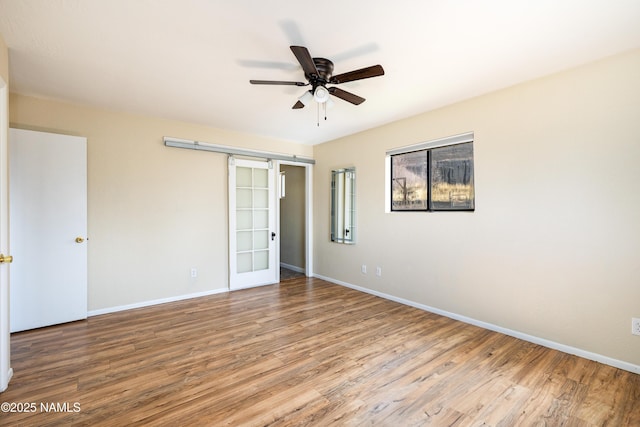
(253,241)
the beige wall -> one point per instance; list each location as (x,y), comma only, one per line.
(552,249)
(292,217)
(154,211)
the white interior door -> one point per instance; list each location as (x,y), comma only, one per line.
(48,227)
(5,349)
(253,238)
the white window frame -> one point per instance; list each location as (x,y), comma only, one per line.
(435,143)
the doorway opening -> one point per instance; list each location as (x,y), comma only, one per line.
(295,220)
(258,189)
(292,221)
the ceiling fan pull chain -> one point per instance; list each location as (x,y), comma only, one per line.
(318,115)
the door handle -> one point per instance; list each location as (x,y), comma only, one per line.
(6,259)
(79,240)
(273,236)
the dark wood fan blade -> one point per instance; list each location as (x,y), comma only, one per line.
(304,58)
(276,82)
(297,105)
(347,96)
(363,73)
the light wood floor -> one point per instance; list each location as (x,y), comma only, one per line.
(305,352)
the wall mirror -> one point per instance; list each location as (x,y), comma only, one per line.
(343,206)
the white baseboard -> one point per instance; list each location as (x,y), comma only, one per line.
(4,386)
(292,267)
(526,337)
(155,302)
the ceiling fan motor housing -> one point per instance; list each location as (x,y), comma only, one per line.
(325,70)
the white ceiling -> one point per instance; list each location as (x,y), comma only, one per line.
(191,60)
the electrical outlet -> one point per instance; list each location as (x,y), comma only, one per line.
(379,271)
(364,268)
(194,272)
(635,326)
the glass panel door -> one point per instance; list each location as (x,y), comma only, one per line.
(252,233)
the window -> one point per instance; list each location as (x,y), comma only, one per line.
(432,176)
(409,181)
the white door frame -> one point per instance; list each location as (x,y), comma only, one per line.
(308,219)
(308,209)
(5,336)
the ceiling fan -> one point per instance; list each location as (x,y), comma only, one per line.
(318,72)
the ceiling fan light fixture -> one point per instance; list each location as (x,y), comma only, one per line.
(306,98)
(321,94)
(329,104)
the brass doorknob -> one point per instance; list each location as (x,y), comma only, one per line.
(79,240)
(8,259)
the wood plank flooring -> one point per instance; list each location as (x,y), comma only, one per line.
(304,352)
